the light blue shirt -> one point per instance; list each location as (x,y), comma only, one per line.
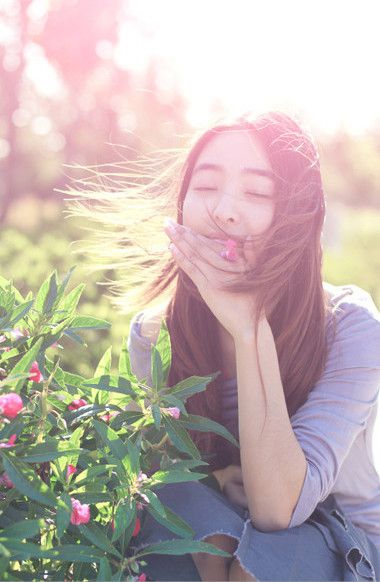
(335,425)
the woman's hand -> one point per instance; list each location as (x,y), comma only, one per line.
(199,257)
(230,480)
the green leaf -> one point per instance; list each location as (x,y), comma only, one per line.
(95,535)
(52,293)
(204,424)
(92,472)
(132,462)
(75,337)
(155,502)
(125,519)
(4,283)
(63,515)
(111,384)
(70,302)
(164,348)
(73,380)
(105,571)
(88,322)
(79,415)
(47,451)
(28,482)
(20,311)
(124,361)
(104,366)
(47,293)
(25,363)
(111,440)
(179,547)
(192,385)
(74,553)
(172,521)
(93,496)
(22,550)
(25,529)
(157,372)
(156,413)
(175,476)
(179,437)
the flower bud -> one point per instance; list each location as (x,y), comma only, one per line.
(10,404)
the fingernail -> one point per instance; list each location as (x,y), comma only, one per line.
(169,223)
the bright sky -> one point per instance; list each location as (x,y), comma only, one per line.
(319,59)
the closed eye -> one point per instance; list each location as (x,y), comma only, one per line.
(249,192)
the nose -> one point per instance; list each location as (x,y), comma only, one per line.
(226,209)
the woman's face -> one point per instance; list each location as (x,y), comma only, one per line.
(231,191)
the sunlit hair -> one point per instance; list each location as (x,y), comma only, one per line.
(286,277)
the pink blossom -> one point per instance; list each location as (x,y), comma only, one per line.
(142,577)
(109,415)
(10,442)
(80,513)
(78,403)
(10,404)
(71,469)
(5,481)
(35,373)
(141,477)
(174,411)
(16,333)
(137,527)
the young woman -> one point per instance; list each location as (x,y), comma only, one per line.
(242,293)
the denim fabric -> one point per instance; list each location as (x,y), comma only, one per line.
(327,546)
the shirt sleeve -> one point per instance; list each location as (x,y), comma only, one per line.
(339,405)
(139,350)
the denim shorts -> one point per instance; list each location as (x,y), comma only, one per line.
(327,546)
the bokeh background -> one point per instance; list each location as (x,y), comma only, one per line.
(89,82)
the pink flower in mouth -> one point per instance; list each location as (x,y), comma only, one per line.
(78,403)
(10,405)
(10,442)
(5,481)
(35,373)
(80,513)
(229,252)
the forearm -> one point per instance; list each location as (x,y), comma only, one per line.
(273,463)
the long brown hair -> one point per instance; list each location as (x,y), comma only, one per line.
(286,278)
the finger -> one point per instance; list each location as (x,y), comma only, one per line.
(188,266)
(209,250)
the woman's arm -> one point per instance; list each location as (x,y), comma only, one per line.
(273,463)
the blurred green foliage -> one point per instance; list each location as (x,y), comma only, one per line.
(27,258)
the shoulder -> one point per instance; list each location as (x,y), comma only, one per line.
(355,322)
(350,298)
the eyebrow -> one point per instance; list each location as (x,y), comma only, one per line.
(216,167)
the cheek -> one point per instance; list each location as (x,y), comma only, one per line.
(193,211)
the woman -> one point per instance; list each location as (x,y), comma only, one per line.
(299,362)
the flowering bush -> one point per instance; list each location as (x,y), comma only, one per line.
(78,467)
